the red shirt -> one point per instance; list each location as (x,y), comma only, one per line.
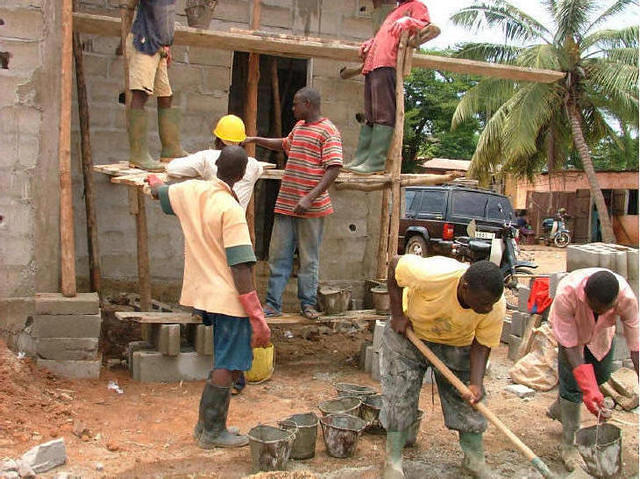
(384,49)
(311,148)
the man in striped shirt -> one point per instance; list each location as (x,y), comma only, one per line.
(314,150)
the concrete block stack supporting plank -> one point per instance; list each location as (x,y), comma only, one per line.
(66,332)
(372,358)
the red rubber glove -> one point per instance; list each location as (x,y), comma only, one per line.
(261,332)
(591,396)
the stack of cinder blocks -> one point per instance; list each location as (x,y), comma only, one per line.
(172,353)
(519,320)
(619,259)
(370,354)
(67,332)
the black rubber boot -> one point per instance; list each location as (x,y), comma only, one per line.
(215,400)
(197,431)
(139,156)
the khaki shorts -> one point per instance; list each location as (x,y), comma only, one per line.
(147,72)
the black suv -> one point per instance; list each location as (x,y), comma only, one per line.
(436,213)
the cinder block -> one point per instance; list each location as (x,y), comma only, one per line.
(368,359)
(582,256)
(363,354)
(204,339)
(167,339)
(632,264)
(514,345)
(554,281)
(518,323)
(134,346)
(634,287)
(606,258)
(620,256)
(621,350)
(506,331)
(55,303)
(80,349)
(377,335)
(66,326)
(523,298)
(153,366)
(72,368)
(375,366)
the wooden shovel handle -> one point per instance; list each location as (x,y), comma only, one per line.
(462,388)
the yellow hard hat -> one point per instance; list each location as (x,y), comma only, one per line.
(230,129)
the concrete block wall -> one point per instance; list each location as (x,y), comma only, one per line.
(29,252)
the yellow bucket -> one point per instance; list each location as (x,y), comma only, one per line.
(262,366)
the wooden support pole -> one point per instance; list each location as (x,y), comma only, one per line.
(277,109)
(138,209)
(87,166)
(67,246)
(126,19)
(394,158)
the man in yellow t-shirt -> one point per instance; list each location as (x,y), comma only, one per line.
(457,310)
(218,284)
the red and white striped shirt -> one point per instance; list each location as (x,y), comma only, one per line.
(311,148)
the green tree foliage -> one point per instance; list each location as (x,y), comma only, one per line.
(431,98)
(531,125)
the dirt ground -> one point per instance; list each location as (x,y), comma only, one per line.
(145,432)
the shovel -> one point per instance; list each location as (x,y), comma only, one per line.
(462,388)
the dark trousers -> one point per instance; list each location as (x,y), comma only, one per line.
(380,96)
(569,390)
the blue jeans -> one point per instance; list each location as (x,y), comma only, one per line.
(288,233)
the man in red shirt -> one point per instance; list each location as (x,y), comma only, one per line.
(314,150)
(380,56)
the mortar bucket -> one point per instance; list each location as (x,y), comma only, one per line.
(341,405)
(334,301)
(370,413)
(381,300)
(270,447)
(199,13)
(306,425)
(354,390)
(412,433)
(341,433)
(604,456)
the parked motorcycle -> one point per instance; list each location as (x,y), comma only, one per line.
(555,229)
(503,251)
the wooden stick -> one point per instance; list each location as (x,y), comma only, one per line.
(486,412)
(383,241)
(302,48)
(394,157)
(126,19)
(67,245)
(277,109)
(87,166)
(142,237)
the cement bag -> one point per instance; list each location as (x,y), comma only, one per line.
(539,368)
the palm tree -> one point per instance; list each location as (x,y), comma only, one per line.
(530,125)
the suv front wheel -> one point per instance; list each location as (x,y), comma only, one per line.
(416,245)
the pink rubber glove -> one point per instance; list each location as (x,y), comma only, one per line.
(261,332)
(406,23)
(591,396)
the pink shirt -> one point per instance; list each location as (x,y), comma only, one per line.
(384,49)
(573,321)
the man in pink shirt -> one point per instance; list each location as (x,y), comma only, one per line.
(380,56)
(583,316)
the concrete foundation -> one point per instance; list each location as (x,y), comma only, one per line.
(154,367)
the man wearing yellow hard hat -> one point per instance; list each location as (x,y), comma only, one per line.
(228,131)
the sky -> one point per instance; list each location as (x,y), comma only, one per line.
(441,10)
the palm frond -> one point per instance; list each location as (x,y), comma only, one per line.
(572,17)
(516,24)
(484,98)
(529,110)
(542,56)
(612,76)
(488,52)
(488,154)
(618,7)
(606,39)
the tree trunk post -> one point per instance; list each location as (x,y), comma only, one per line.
(67,245)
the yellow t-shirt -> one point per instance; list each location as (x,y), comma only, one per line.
(430,301)
(216,237)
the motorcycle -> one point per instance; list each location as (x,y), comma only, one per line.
(503,251)
(555,230)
